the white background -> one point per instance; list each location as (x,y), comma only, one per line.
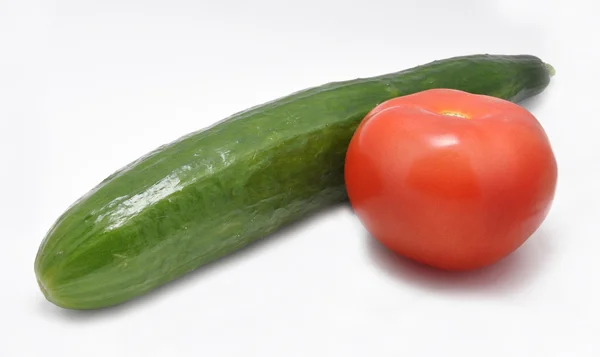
(88,86)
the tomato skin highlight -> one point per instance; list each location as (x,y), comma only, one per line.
(451,179)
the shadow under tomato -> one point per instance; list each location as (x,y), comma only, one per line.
(510,275)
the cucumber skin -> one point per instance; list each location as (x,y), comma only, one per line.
(219,189)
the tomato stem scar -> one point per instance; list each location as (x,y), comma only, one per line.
(454,114)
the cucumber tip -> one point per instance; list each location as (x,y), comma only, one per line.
(550,69)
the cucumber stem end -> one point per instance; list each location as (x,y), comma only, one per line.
(550,69)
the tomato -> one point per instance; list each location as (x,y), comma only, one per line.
(451,179)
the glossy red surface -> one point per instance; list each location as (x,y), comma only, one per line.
(451,179)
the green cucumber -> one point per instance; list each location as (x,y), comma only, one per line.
(219,189)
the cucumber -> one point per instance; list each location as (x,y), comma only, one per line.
(219,189)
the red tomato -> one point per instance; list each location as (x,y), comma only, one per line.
(451,179)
